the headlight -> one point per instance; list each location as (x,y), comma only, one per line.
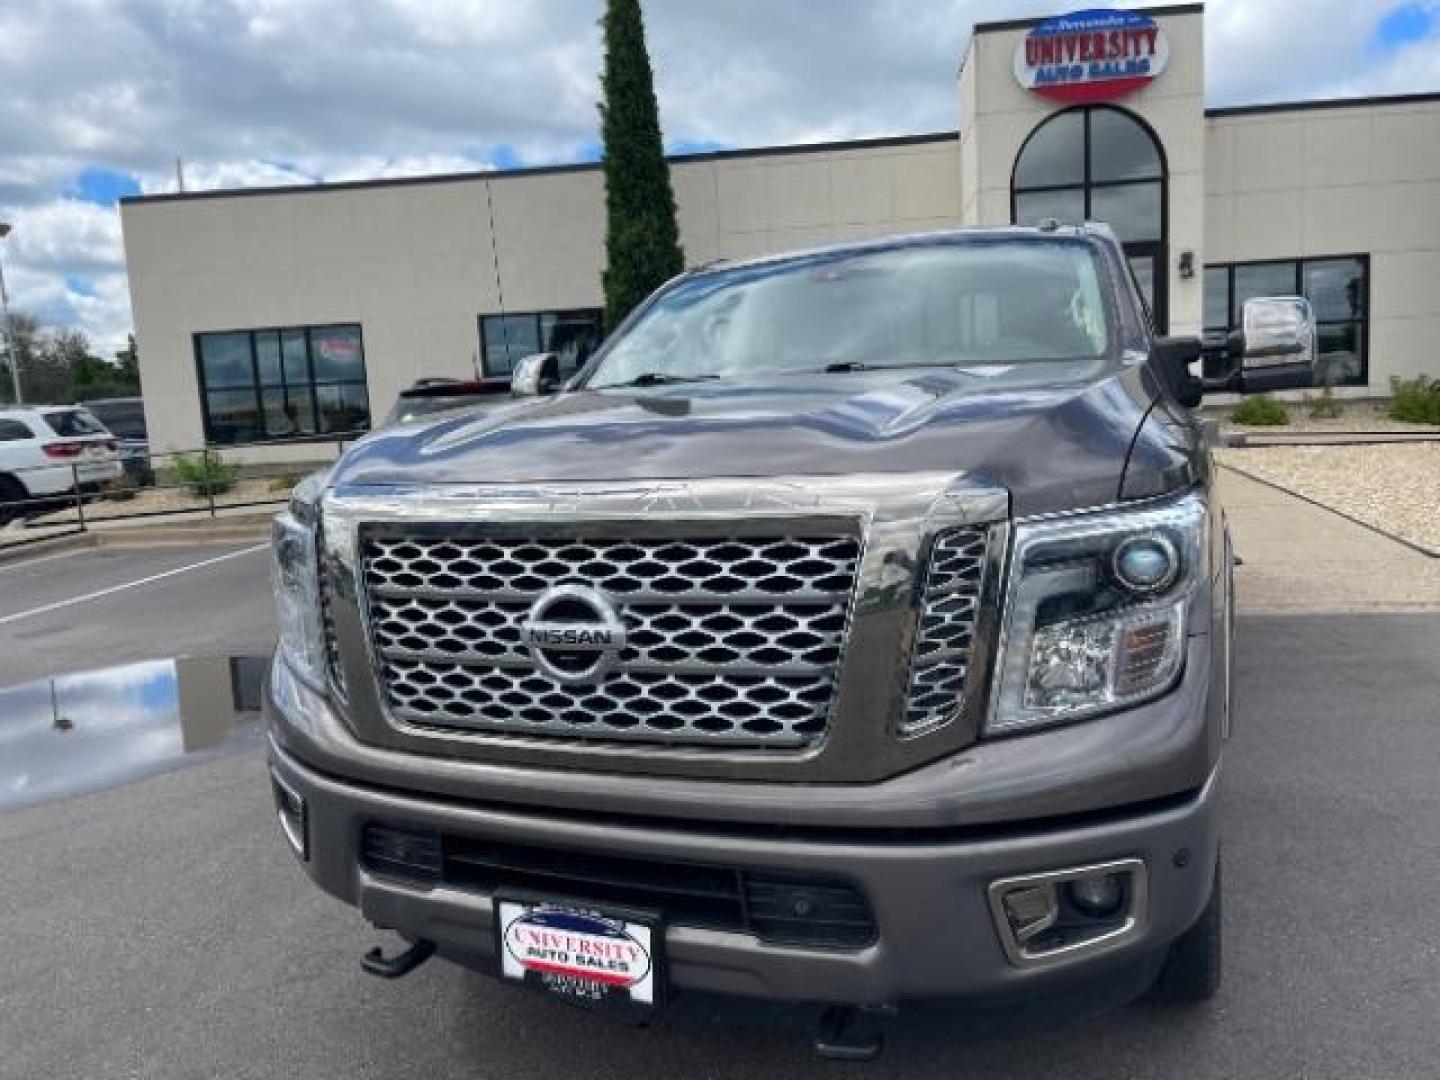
(1095,612)
(297,597)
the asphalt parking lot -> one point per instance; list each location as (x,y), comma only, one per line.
(162,930)
(74,610)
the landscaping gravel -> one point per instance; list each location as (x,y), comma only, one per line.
(1394,486)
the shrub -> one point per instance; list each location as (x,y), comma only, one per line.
(1324,407)
(284,483)
(1415,401)
(1261,411)
(206,474)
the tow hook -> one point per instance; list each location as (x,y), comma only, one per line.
(848,1033)
(394,967)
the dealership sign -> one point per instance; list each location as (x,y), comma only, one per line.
(1091,55)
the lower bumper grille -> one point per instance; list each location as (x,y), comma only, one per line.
(783,909)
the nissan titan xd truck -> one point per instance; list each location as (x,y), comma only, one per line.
(853,629)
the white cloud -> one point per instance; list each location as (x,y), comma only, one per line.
(67,236)
(253,92)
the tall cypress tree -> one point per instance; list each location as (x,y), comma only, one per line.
(642,240)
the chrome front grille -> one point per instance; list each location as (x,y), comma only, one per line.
(940,659)
(730,640)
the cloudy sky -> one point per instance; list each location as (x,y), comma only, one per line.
(100,96)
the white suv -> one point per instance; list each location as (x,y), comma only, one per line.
(46,451)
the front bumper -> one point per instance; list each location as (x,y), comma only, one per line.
(937,937)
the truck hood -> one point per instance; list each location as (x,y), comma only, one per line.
(1054,445)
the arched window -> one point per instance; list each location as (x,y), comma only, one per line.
(1099,163)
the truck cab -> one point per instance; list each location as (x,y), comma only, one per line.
(853,629)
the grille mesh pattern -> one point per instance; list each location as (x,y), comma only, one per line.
(940,660)
(327,625)
(732,641)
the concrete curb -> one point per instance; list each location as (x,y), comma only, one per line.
(1402,541)
(45,545)
(1249,440)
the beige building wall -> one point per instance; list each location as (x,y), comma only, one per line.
(999,116)
(416,263)
(1343,180)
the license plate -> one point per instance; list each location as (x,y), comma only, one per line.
(583,955)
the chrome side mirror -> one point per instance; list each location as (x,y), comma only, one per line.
(535,375)
(1275,344)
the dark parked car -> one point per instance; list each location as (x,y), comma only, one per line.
(855,628)
(125,419)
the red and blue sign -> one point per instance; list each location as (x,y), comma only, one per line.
(1088,56)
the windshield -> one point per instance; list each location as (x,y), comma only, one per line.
(956,304)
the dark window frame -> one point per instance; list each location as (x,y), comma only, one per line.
(1159,248)
(491,372)
(1213,332)
(258,386)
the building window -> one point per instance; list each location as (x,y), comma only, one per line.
(1099,164)
(284,383)
(1338,288)
(571,335)
(1092,164)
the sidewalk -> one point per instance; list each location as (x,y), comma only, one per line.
(1302,559)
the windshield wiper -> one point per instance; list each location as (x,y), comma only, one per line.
(656,378)
(855,365)
(842,366)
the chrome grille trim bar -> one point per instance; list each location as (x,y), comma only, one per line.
(893,516)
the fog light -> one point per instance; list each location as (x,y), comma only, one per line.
(1097,894)
(1105,906)
(290,809)
(1030,910)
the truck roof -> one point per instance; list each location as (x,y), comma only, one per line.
(959,235)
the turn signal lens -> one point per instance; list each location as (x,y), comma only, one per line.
(1106,661)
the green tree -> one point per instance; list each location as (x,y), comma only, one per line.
(642,240)
(75,372)
(58,367)
(128,362)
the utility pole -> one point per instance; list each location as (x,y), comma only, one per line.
(10,353)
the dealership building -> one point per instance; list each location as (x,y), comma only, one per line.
(277,315)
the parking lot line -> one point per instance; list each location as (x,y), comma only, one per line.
(123,586)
